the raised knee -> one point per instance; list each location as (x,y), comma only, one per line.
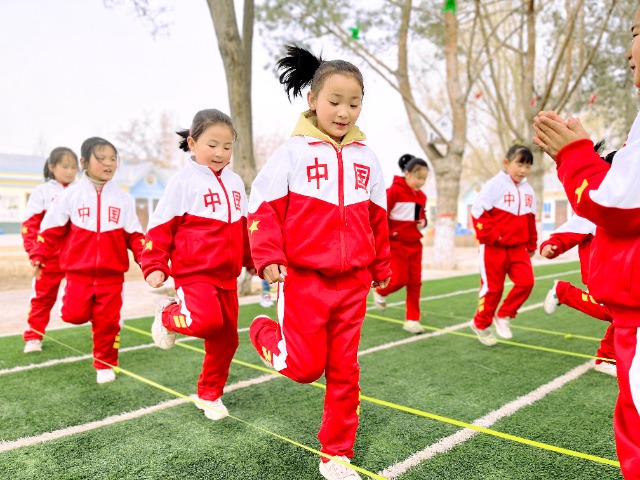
(309,375)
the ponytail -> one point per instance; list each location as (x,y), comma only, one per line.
(183,145)
(408,163)
(298,69)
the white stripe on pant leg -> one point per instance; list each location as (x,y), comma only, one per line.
(183,307)
(483,272)
(61,289)
(280,361)
(634,374)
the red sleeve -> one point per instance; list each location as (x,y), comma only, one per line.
(582,172)
(247,260)
(157,247)
(48,243)
(380,268)
(564,241)
(532,243)
(30,229)
(135,242)
(484,226)
(266,237)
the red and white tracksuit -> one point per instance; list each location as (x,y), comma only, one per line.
(319,208)
(503,216)
(198,234)
(45,288)
(581,232)
(609,196)
(92,231)
(405,207)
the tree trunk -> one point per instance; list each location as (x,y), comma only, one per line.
(236,57)
(447,171)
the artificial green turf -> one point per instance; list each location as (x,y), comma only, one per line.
(448,375)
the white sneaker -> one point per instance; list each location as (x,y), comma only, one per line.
(485,336)
(332,470)
(162,337)
(551,300)
(105,375)
(213,410)
(379,301)
(608,368)
(33,346)
(413,326)
(502,326)
(266,301)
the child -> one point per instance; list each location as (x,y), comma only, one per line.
(608,196)
(504,220)
(92,223)
(405,207)
(318,227)
(579,231)
(60,170)
(200,226)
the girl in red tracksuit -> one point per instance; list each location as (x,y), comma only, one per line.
(581,232)
(60,170)
(318,224)
(198,234)
(504,220)
(608,195)
(406,205)
(92,223)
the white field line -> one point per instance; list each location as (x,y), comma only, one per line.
(447,443)
(123,417)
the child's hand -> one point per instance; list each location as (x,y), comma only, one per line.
(37,270)
(421,224)
(552,133)
(549,251)
(274,273)
(381,283)
(155,279)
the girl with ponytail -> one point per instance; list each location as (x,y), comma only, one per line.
(406,204)
(60,170)
(198,235)
(317,217)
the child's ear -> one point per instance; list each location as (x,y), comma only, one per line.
(311,100)
(191,143)
(505,162)
(83,163)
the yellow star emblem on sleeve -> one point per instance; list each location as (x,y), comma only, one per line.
(40,239)
(479,226)
(148,245)
(254,226)
(142,241)
(24,230)
(580,189)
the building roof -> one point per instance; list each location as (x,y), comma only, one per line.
(23,164)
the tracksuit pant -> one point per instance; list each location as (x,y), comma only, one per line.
(43,298)
(626,419)
(320,319)
(211,313)
(406,265)
(101,305)
(496,263)
(583,302)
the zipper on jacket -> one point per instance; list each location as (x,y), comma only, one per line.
(519,198)
(98,234)
(218,177)
(341,207)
